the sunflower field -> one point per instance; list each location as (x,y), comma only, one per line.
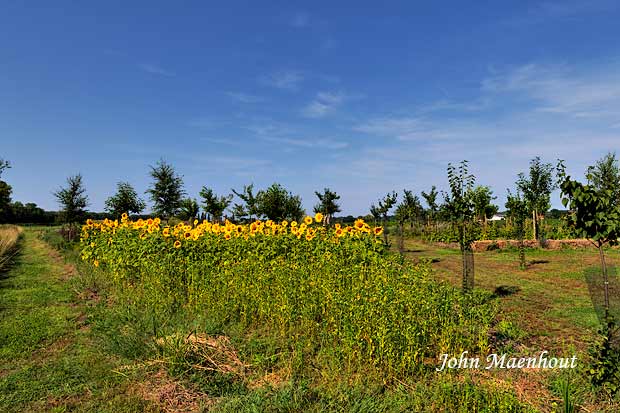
(337,287)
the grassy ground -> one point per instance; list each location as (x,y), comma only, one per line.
(548,307)
(67,343)
(48,359)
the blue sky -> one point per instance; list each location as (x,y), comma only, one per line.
(361,97)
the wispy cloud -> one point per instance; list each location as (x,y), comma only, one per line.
(326,103)
(562,89)
(155,70)
(327,144)
(245,98)
(285,80)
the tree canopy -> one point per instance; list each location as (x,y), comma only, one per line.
(214,205)
(327,203)
(166,191)
(277,204)
(125,200)
(72,199)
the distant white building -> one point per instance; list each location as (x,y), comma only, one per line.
(498,217)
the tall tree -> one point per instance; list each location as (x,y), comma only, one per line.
(166,191)
(248,209)
(605,175)
(431,201)
(5,193)
(214,205)
(277,204)
(459,207)
(72,199)
(125,200)
(327,204)
(382,210)
(481,198)
(410,209)
(536,189)
(189,210)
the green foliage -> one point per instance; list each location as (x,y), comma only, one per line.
(459,203)
(166,191)
(5,194)
(277,204)
(327,204)
(346,296)
(72,199)
(189,209)
(481,197)
(605,175)
(214,205)
(125,200)
(248,210)
(410,209)
(431,199)
(536,189)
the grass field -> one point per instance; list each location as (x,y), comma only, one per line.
(68,342)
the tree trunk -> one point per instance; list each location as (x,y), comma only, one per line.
(385,230)
(401,238)
(534,227)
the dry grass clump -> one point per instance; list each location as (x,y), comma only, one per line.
(9,238)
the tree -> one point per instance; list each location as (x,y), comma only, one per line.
(327,204)
(189,210)
(536,189)
(517,212)
(595,214)
(248,209)
(483,208)
(5,193)
(605,175)
(410,209)
(72,199)
(459,207)
(431,201)
(125,200)
(385,204)
(277,204)
(166,191)
(214,205)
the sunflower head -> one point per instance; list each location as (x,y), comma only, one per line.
(177,244)
(318,217)
(378,231)
(308,220)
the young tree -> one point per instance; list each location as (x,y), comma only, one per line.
(214,205)
(125,200)
(385,204)
(327,204)
(277,204)
(431,201)
(605,175)
(248,209)
(410,208)
(72,199)
(517,211)
(536,189)
(166,191)
(459,207)
(189,210)
(5,193)
(483,208)
(595,214)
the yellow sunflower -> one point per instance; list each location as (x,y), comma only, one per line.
(177,244)
(308,220)
(318,217)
